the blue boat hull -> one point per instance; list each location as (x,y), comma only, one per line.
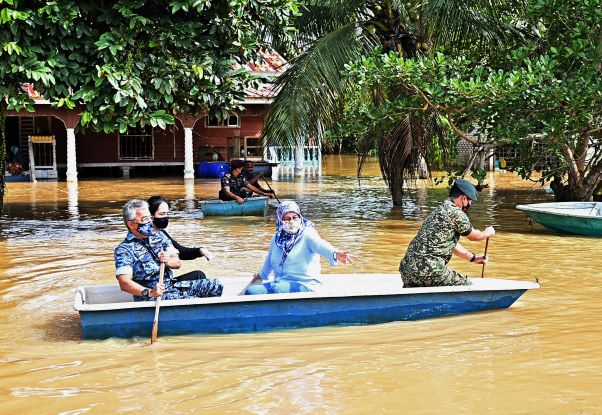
(253,206)
(251,314)
(577,218)
(21,178)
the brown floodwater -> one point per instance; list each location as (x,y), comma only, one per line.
(541,356)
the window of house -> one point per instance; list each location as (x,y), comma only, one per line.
(231,122)
(137,144)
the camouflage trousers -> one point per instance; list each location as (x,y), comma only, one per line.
(181,290)
(443,277)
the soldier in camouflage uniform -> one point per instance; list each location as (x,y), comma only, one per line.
(235,186)
(138,260)
(425,262)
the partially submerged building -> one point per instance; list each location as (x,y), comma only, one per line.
(54,147)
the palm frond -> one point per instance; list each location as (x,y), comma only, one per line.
(321,17)
(435,134)
(311,87)
(458,23)
(364,145)
(397,154)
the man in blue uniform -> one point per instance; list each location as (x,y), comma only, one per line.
(138,261)
(235,186)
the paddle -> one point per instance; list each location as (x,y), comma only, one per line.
(157,307)
(484,256)
(270,187)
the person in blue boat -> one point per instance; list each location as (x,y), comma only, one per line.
(252,178)
(159,209)
(235,186)
(138,260)
(427,256)
(294,255)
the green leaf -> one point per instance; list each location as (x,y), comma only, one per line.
(141,102)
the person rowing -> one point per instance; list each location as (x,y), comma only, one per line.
(235,186)
(253,179)
(427,256)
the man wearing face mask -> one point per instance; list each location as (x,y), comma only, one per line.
(138,260)
(425,262)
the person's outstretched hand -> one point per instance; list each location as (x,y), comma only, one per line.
(345,257)
(206,253)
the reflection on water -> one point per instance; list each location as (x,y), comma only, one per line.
(540,356)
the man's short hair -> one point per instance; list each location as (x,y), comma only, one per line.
(236,164)
(130,208)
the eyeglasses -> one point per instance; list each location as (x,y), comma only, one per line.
(144,220)
(291,218)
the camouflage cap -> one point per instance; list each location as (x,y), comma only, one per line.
(467,188)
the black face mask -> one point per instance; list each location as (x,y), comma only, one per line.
(466,208)
(161,223)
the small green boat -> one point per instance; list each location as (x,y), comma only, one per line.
(580,218)
(253,206)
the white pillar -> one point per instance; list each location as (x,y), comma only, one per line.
(73,200)
(189,199)
(71,158)
(320,134)
(423,171)
(299,158)
(188,167)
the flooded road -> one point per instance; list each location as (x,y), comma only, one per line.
(541,356)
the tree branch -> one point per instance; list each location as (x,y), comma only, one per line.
(437,107)
(461,133)
(595,130)
(574,174)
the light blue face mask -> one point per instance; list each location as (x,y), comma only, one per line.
(145,229)
(291,227)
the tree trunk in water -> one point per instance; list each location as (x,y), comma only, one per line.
(396,194)
(564,193)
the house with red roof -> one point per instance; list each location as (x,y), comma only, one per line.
(54,147)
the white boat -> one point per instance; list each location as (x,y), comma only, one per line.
(346,299)
(581,218)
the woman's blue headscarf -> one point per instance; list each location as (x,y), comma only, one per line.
(285,240)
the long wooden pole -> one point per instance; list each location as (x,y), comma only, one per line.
(270,187)
(484,256)
(157,307)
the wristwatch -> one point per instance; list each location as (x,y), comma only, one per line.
(146,293)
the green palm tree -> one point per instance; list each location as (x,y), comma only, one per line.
(336,32)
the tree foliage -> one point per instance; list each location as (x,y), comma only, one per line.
(549,91)
(336,33)
(126,63)
(130,62)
